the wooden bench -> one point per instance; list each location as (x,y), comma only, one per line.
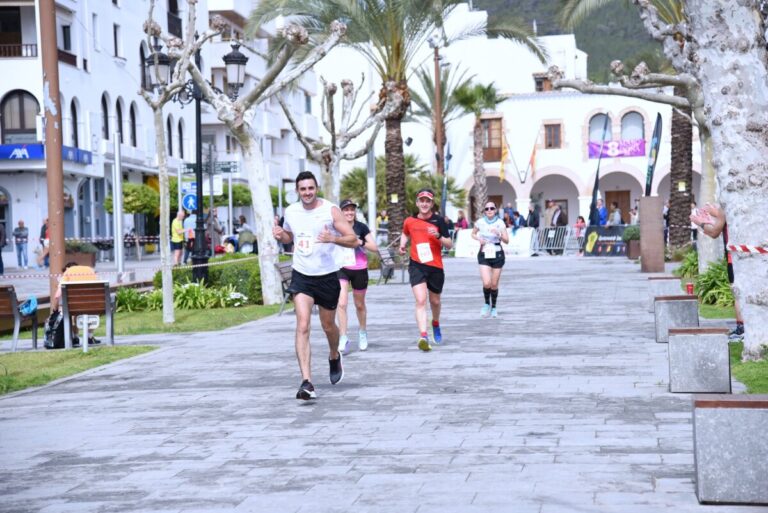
(389,264)
(86,298)
(9,308)
(286,272)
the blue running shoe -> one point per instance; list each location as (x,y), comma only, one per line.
(437,336)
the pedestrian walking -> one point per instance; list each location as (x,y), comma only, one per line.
(177,237)
(354,273)
(45,240)
(428,235)
(21,240)
(316,227)
(190,223)
(490,231)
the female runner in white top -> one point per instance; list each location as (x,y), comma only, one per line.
(490,231)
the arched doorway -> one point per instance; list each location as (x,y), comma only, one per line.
(624,189)
(500,193)
(559,189)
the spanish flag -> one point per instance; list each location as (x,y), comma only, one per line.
(504,155)
(532,160)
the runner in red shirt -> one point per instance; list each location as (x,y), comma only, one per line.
(428,235)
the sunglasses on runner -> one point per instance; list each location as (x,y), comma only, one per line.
(490,209)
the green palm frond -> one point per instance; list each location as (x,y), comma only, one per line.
(423,101)
(476,99)
(573,12)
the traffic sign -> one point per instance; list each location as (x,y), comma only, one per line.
(189,202)
(227,166)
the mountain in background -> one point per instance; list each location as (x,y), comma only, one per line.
(612,32)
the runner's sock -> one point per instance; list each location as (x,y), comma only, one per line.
(435,323)
(423,334)
(487,295)
(494,295)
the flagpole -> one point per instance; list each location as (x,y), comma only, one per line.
(594,215)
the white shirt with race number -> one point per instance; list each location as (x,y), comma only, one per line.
(311,257)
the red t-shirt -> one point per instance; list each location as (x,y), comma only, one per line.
(425,248)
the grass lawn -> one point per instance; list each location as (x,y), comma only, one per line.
(716,312)
(753,374)
(34,368)
(142,323)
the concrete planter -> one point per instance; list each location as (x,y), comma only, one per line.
(675,312)
(699,361)
(633,249)
(730,448)
(662,286)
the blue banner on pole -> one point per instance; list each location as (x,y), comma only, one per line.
(37,152)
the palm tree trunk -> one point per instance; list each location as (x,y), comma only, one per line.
(393,149)
(681,172)
(481,187)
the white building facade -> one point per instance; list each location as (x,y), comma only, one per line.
(102,49)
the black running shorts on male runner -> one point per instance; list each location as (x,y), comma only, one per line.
(434,277)
(323,289)
(358,278)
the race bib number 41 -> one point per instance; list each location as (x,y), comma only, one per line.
(304,244)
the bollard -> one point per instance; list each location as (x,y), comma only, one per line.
(675,312)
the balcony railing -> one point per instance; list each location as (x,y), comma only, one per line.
(28,50)
(174,25)
(67,58)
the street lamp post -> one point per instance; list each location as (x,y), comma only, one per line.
(158,68)
(434,43)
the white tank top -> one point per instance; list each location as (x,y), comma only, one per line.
(309,256)
(484,228)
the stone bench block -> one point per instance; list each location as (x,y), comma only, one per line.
(662,286)
(675,312)
(731,448)
(699,361)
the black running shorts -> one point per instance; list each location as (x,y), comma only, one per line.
(493,263)
(730,273)
(324,289)
(358,278)
(434,277)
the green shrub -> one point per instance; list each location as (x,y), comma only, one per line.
(690,266)
(374,261)
(73,246)
(128,299)
(244,276)
(154,300)
(713,288)
(631,232)
(678,254)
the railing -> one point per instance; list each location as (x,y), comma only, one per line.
(67,58)
(26,50)
(174,25)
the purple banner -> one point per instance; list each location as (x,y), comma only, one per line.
(612,149)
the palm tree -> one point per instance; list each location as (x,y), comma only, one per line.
(475,100)
(390,34)
(424,108)
(681,166)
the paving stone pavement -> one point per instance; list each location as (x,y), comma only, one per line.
(559,405)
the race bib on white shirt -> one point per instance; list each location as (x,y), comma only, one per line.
(346,256)
(304,244)
(489,251)
(425,252)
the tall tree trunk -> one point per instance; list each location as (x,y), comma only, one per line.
(331,180)
(478,173)
(733,72)
(264,216)
(393,149)
(681,172)
(165,199)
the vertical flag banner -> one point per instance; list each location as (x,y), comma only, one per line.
(653,154)
(532,160)
(504,155)
(594,215)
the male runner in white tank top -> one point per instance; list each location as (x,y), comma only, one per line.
(315,226)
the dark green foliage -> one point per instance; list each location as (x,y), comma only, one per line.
(631,232)
(245,276)
(713,288)
(138,198)
(73,246)
(690,266)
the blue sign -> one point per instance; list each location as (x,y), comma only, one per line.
(189,202)
(37,152)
